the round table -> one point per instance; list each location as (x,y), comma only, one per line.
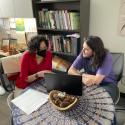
(95,107)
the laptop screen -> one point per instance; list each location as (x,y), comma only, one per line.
(70,84)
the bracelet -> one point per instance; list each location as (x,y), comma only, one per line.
(36,76)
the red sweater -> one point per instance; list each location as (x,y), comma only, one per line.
(29,66)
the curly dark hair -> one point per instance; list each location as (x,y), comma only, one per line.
(34,43)
(97,46)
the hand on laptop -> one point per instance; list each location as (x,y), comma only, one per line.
(41,73)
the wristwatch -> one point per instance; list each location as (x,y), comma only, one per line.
(36,76)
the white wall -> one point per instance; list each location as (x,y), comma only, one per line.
(6,8)
(16,8)
(104,17)
(23,8)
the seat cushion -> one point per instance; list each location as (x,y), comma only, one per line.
(60,64)
(11,64)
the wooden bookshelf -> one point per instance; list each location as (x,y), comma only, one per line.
(55,1)
(63,17)
(57,30)
(63,53)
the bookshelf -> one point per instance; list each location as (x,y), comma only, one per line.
(58,18)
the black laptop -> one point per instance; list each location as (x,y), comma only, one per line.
(70,84)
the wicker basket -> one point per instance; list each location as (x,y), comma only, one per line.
(60,108)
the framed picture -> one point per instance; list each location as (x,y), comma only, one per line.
(13,46)
(5,45)
(21,41)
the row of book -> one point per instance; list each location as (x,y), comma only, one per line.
(59,43)
(59,19)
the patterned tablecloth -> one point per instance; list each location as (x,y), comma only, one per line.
(95,107)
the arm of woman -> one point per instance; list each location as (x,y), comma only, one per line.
(73,71)
(33,77)
(24,68)
(89,80)
(76,66)
(37,75)
(48,67)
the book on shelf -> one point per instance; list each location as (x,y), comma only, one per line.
(59,19)
(65,19)
(58,26)
(75,38)
(75,20)
(63,44)
(74,45)
(52,19)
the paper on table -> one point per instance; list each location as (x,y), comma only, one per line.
(30,100)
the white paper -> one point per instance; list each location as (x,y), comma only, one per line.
(30,100)
(30,25)
(12,23)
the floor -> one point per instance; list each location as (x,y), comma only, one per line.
(4,111)
(5,114)
(120,114)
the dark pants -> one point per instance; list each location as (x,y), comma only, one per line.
(113,90)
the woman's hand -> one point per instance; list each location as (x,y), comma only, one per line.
(88,80)
(41,73)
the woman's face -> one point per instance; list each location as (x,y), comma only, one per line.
(86,51)
(42,49)
(43,46)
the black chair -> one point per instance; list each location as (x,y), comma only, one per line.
(118,65)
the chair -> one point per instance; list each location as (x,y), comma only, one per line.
(9,98)
(8,85)
(9,65)
(118,65)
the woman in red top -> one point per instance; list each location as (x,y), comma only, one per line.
(35,62)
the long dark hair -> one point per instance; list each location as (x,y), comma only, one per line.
(34,43)
(99,51)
